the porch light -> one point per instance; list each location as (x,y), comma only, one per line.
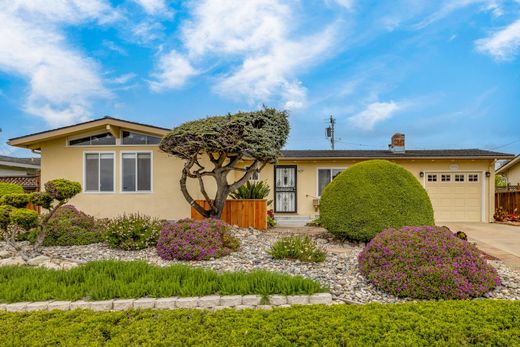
(488,174)
(421,174)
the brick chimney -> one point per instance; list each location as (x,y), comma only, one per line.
(397,144)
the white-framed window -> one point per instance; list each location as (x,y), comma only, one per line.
(432,177)
(445,178)
(102,139)
(99,172)
(472,177)
(325,176)
(459,177)
(136,172)
(134,138)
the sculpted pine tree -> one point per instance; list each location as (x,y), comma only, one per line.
(226,141)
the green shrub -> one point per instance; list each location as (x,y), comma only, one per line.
(190,239)
(426,263)
(69,226)
(10,188)
(371,196)
(297,247)
(452,323)
(41,199)
(251,190)
(102,280)
(131,232)
(24,218)
(62,189)
(18,200)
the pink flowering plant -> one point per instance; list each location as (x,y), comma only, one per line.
(426,262)
(189,239)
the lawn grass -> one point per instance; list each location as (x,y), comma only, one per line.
(449,323)
(103,280)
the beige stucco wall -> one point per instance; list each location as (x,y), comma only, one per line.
(166,200)
(307,184)
(513,174)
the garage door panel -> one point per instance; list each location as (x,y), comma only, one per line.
(456,201)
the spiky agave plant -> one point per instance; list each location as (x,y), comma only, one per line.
(251,190)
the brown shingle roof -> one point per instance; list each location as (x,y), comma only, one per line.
(15,160)
(426,153)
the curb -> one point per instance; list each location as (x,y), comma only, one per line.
(211,302)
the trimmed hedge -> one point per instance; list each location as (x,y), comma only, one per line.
(426,263)
(10,188)
(101,280)
(451,323)
(371,196)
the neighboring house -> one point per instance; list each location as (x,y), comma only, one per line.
(511,171)
(122,170)
(22,171)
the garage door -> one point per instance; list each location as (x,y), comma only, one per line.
(456,197)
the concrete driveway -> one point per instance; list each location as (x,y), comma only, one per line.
(499,240)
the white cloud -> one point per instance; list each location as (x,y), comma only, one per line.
(123,79)
(172,72)
(62,81)
(503,44)
(374,113)
(347,4)
(147,31)
(153,7)
(256,38)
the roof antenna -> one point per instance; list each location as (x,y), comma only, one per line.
(329,132)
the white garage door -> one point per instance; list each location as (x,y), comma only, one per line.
(456,197)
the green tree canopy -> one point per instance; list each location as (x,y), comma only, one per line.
(227,140)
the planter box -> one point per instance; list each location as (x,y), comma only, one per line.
(244,213)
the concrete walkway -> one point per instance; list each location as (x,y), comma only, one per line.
(499,240)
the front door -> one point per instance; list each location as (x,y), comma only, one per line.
(285,188)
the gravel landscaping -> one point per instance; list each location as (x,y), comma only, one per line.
(339,271)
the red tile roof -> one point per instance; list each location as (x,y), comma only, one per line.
(27,182)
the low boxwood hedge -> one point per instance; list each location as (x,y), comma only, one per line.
(449,323)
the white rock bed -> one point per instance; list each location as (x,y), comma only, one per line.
(339,271)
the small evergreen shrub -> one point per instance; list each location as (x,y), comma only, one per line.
(69,226)
(371,196)
(297,247)
(189,239)
(17,200)
(62,189)
(426,263)
(10,188)
(132,232)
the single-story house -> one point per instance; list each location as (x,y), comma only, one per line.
(122,170)
(22,171)
(511,171)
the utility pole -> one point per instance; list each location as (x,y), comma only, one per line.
(329,132)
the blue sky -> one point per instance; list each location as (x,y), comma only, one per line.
(446,73)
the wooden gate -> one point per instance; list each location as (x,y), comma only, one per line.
(244,213)
(508,200)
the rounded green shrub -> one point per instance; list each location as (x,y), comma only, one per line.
(297,247)
(133,231)
(41,199)
(24,218)
(62,189)
(69,226)
(371,196)
(18,200)
(426,263)
(10,188)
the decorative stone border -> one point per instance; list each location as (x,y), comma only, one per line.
(214,302)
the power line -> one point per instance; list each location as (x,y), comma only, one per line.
(507,144)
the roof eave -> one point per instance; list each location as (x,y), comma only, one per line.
(33,141)
(509,165)
(21,165)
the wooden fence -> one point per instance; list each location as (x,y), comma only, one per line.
(244,213)
(508,200)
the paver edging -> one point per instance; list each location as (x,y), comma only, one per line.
(214,302)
